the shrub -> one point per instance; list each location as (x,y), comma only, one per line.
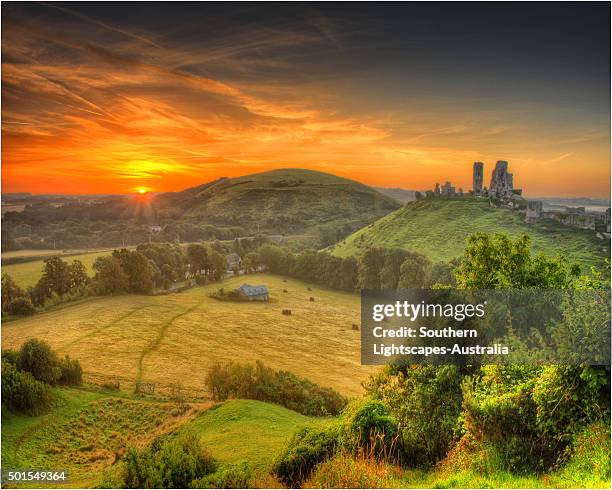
(307,448)
(11,356)
(229,476)
(21,306)
(71,372)
(368,428)
(262,383)
(22,393)
(167,463)
(37,358)
(346,471)
(530,415)
(426,403)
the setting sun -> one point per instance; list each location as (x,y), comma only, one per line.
(142,191)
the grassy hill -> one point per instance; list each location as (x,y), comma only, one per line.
(283,201)
(439,228)
(175,337)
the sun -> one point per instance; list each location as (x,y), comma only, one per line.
(141,191)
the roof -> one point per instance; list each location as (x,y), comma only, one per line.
(249,290)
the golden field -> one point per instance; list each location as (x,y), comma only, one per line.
(174,338)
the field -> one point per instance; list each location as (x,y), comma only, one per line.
(174,338)
(28,273)
(439,228)
(89,430)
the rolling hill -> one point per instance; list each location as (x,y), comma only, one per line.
(284,200)
(439,228)
(294,202)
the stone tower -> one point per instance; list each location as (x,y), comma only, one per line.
(501,181)
(478,178)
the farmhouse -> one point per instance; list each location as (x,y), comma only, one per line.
(253,293)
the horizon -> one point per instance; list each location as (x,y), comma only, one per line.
(113,98)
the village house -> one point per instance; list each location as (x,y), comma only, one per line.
(253,293)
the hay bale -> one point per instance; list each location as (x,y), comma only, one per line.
(286,312)
(309,289)
(355,326)
(311,299)
(284,290)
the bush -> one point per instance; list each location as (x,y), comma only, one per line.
(167,463)
(307,448)
(530,415)
(21,306)
(346,471)
(71,372)
(37,358)
(11,356)
(368,428)
(22,393)
(426,403)
(229,476)
(282,387)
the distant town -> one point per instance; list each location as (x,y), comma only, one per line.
(501,192)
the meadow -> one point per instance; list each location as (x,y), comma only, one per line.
(28,272)
(439,228)
(172,338)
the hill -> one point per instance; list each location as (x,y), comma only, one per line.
(282,201)
(286,202)
(439,228)
(175,337)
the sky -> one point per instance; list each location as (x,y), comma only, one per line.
(116,97)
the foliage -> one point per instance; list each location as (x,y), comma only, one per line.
(261,383)
(71,372)
(37,358)
(347,471)
(168,464)
(22,393)
(369,428)
(137,268)
(426,402)
(498,262)
(10,292)
(228,476)
(110,278)
(21,306)
(307,448)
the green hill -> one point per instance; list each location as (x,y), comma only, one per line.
(282,201)
(439,228)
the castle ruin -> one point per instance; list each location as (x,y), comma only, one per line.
(478,178)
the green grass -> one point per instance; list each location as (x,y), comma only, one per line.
(174,338)
(28,273)
(439,229)
(85,432)
(249,431)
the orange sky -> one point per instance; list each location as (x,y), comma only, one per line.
(90,106)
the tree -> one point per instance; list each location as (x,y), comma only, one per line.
(390,272)
(78,274)
(138,270)
(217,265)
(498,262)
(110,277)
(370,265)
(414,271)
(252,262)
(273,257)
(21,306)
(37,358)
(198,258)
(10,291)
(349,274)
(56,277)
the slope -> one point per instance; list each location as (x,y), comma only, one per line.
(439,228)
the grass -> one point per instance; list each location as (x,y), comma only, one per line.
(438,228)
(248,431)
(176,337)
(85,433)
(27,274)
